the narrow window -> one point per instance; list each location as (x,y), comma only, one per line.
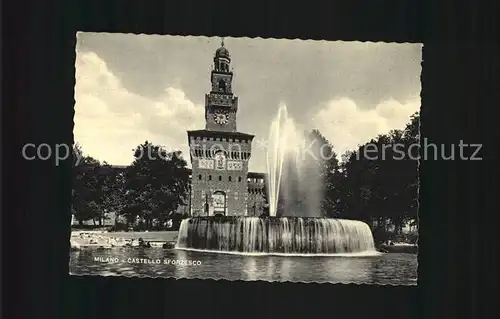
(239,178)
(209,177)
(220,178)
(222,85)
(199,177)
(229,178)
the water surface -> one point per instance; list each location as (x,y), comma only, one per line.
(392,269)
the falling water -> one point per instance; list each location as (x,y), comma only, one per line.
(294,178)
(276,235)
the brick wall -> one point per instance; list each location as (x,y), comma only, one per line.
(207,180)
(256,194)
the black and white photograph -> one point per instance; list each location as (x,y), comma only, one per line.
(246,159)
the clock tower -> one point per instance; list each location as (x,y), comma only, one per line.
(219,153)
(220,104)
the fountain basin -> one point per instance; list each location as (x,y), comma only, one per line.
(275,235)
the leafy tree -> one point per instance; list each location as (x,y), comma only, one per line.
(355,185)
(77,154)
(379,180)
(85,186)
(111,190)
(324,154)
(97,188)
(411,137)
(156,182)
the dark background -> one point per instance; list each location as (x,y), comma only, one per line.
(456,256)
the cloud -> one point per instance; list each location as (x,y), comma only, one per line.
(346,126)
(110,120)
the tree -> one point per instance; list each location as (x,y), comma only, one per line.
(355,185)
(77,154)
(411,137)
(85,193)
(379,181)
(111,190)
(157,183)
(326,158)
(97,188)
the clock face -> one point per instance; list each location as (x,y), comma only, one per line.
(221,117)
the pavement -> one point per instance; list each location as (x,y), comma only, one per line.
(161,236)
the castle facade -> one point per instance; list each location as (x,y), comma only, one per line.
(219,154)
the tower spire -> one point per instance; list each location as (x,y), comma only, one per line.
(222,41)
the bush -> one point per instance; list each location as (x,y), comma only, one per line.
(380,235)
(85,227)
(141,226)
(177,220)
(412,238)
(119,227)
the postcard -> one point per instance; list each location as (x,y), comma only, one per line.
(246,159)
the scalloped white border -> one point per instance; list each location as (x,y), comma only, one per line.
(260,280)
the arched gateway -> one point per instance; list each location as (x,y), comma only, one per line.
(219,203)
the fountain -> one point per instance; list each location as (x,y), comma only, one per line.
(294,224)
(275,235)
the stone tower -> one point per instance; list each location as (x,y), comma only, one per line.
(219,153)
(220,104)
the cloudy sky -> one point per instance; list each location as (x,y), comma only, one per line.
(132,88)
